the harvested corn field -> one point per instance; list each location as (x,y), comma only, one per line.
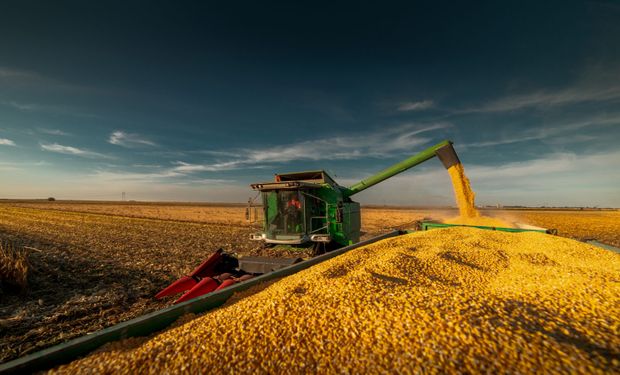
(449,300)
(195,212)
(603,225)
(91,271)
(578,224)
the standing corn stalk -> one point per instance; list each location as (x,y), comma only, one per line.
(13,266)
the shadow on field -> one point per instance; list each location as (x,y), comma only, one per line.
(70,292)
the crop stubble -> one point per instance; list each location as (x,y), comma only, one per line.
(91,271)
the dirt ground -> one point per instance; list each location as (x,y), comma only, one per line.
(93,265)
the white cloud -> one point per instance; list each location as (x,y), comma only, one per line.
(552,132)
(70,150)
(146,165)
(23,106)
(129,140)
(9,167)
(567,96)
(19,78)
(183,167)
(134,176)
(556,179)
(416,106)
(109,186)
(6,72)
(22,165)
(378,144)
(6,142)
(56,109)
(53,131)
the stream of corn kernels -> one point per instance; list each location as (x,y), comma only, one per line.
(465,200)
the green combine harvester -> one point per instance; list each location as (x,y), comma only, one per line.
(310,208)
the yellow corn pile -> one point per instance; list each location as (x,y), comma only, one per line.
(465,199)
(450,300)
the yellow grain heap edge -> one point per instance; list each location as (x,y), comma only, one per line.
(448,300)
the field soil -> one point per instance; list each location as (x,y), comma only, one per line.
(92,265)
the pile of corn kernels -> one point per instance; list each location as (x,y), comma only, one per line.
(448,300)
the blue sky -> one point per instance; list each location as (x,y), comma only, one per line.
(194,101)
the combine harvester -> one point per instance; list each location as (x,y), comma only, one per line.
(300,209)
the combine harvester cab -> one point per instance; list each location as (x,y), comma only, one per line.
(306,208)
(301,209)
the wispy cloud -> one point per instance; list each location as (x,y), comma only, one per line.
(129,140)
(183,167)
(550,99)
(146,165)
(23,165)
(70,150)
(378,144)
(552,179)
(134,176)
(552,131)
(23,106)
(47,108)
(186,168)
(159,177)
(6,142)
(53,132)
(385,143)
(34,80)
(6,72)
(416,106)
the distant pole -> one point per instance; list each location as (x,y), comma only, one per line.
(123,197)
(249,210)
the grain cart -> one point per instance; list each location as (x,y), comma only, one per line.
(300,209)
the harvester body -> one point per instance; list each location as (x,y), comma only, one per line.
(311,207)
(305,207)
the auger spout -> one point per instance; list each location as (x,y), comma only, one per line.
(444,151)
